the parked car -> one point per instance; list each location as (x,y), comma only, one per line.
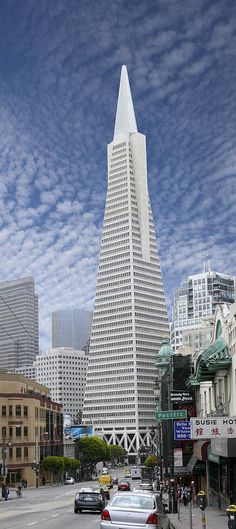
(69,481)
(130,510)
(115,480)
(89,499)
(124,485)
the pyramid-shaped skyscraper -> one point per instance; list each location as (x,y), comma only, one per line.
(130,316)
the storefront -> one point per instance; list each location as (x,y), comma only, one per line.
(222,471)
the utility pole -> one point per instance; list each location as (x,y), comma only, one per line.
(4,457)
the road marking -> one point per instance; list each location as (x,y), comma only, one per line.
(32,523)
(53,515)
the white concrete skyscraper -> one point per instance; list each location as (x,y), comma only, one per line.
(130,316)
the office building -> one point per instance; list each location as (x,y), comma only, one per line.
(19,343)
(130,316)
(195,303)
(63,370)
(71,328)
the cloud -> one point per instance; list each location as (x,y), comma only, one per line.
(58,88)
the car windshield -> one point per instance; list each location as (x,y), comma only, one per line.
(93,495)
(134,502)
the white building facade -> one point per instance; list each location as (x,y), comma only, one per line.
(63,370)
(194,305)
(130,316)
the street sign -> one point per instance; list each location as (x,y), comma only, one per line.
(171,414)
(180,396)
(213,427)
(182,430)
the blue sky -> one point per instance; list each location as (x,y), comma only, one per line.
(59,74)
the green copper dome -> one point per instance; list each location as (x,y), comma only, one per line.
(166,349)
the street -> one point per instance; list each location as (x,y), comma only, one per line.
(51,506)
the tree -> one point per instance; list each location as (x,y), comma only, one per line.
(54,465)
(116,452)
(71,463)
(90,451)
(151,461)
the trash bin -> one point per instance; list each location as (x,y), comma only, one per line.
(202,500)
(231,513)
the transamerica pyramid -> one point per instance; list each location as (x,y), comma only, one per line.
(130,316)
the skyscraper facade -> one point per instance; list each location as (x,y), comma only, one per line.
(195,303)
(130,316)
(63,370)
(19,333)
(71,327)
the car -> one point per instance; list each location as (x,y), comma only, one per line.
(127,473)
(124,485)
(69,481)
(129,510)
(89,499)
(115,480)
(146,484)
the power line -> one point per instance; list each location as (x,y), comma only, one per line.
(20,322)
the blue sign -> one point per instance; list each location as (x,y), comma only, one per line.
(182,430)
(76,432)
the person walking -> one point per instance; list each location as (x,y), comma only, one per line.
(185,500)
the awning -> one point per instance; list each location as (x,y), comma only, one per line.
(214,358)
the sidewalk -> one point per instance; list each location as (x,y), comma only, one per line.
(215,519)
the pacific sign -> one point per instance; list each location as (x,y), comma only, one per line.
(213,427)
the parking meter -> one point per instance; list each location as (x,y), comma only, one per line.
(202,500)
(231,513)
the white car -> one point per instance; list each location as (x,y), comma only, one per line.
(69,481)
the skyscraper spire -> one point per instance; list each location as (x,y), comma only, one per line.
(125,116)
(130,315)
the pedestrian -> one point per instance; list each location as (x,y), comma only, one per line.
(26,483)
(185,500)
(6,493)
(43,480)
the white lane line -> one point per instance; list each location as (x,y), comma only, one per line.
(61,496)
(32,523)
(53,515)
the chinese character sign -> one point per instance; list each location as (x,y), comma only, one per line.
(213,427)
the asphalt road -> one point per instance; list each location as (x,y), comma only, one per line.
(47,508)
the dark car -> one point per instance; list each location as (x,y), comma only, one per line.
(124,485)
(89,499)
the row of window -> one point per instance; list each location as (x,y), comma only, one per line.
(18,410)
(17,430)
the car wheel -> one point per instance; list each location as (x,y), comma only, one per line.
(80,511)
(75,510)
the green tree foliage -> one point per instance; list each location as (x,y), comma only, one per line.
(71,463)
(116,452)
(151,461)
(91,450)
(54,465)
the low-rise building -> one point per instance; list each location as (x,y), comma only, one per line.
(31,427)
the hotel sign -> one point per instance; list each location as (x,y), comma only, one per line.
(213,427)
